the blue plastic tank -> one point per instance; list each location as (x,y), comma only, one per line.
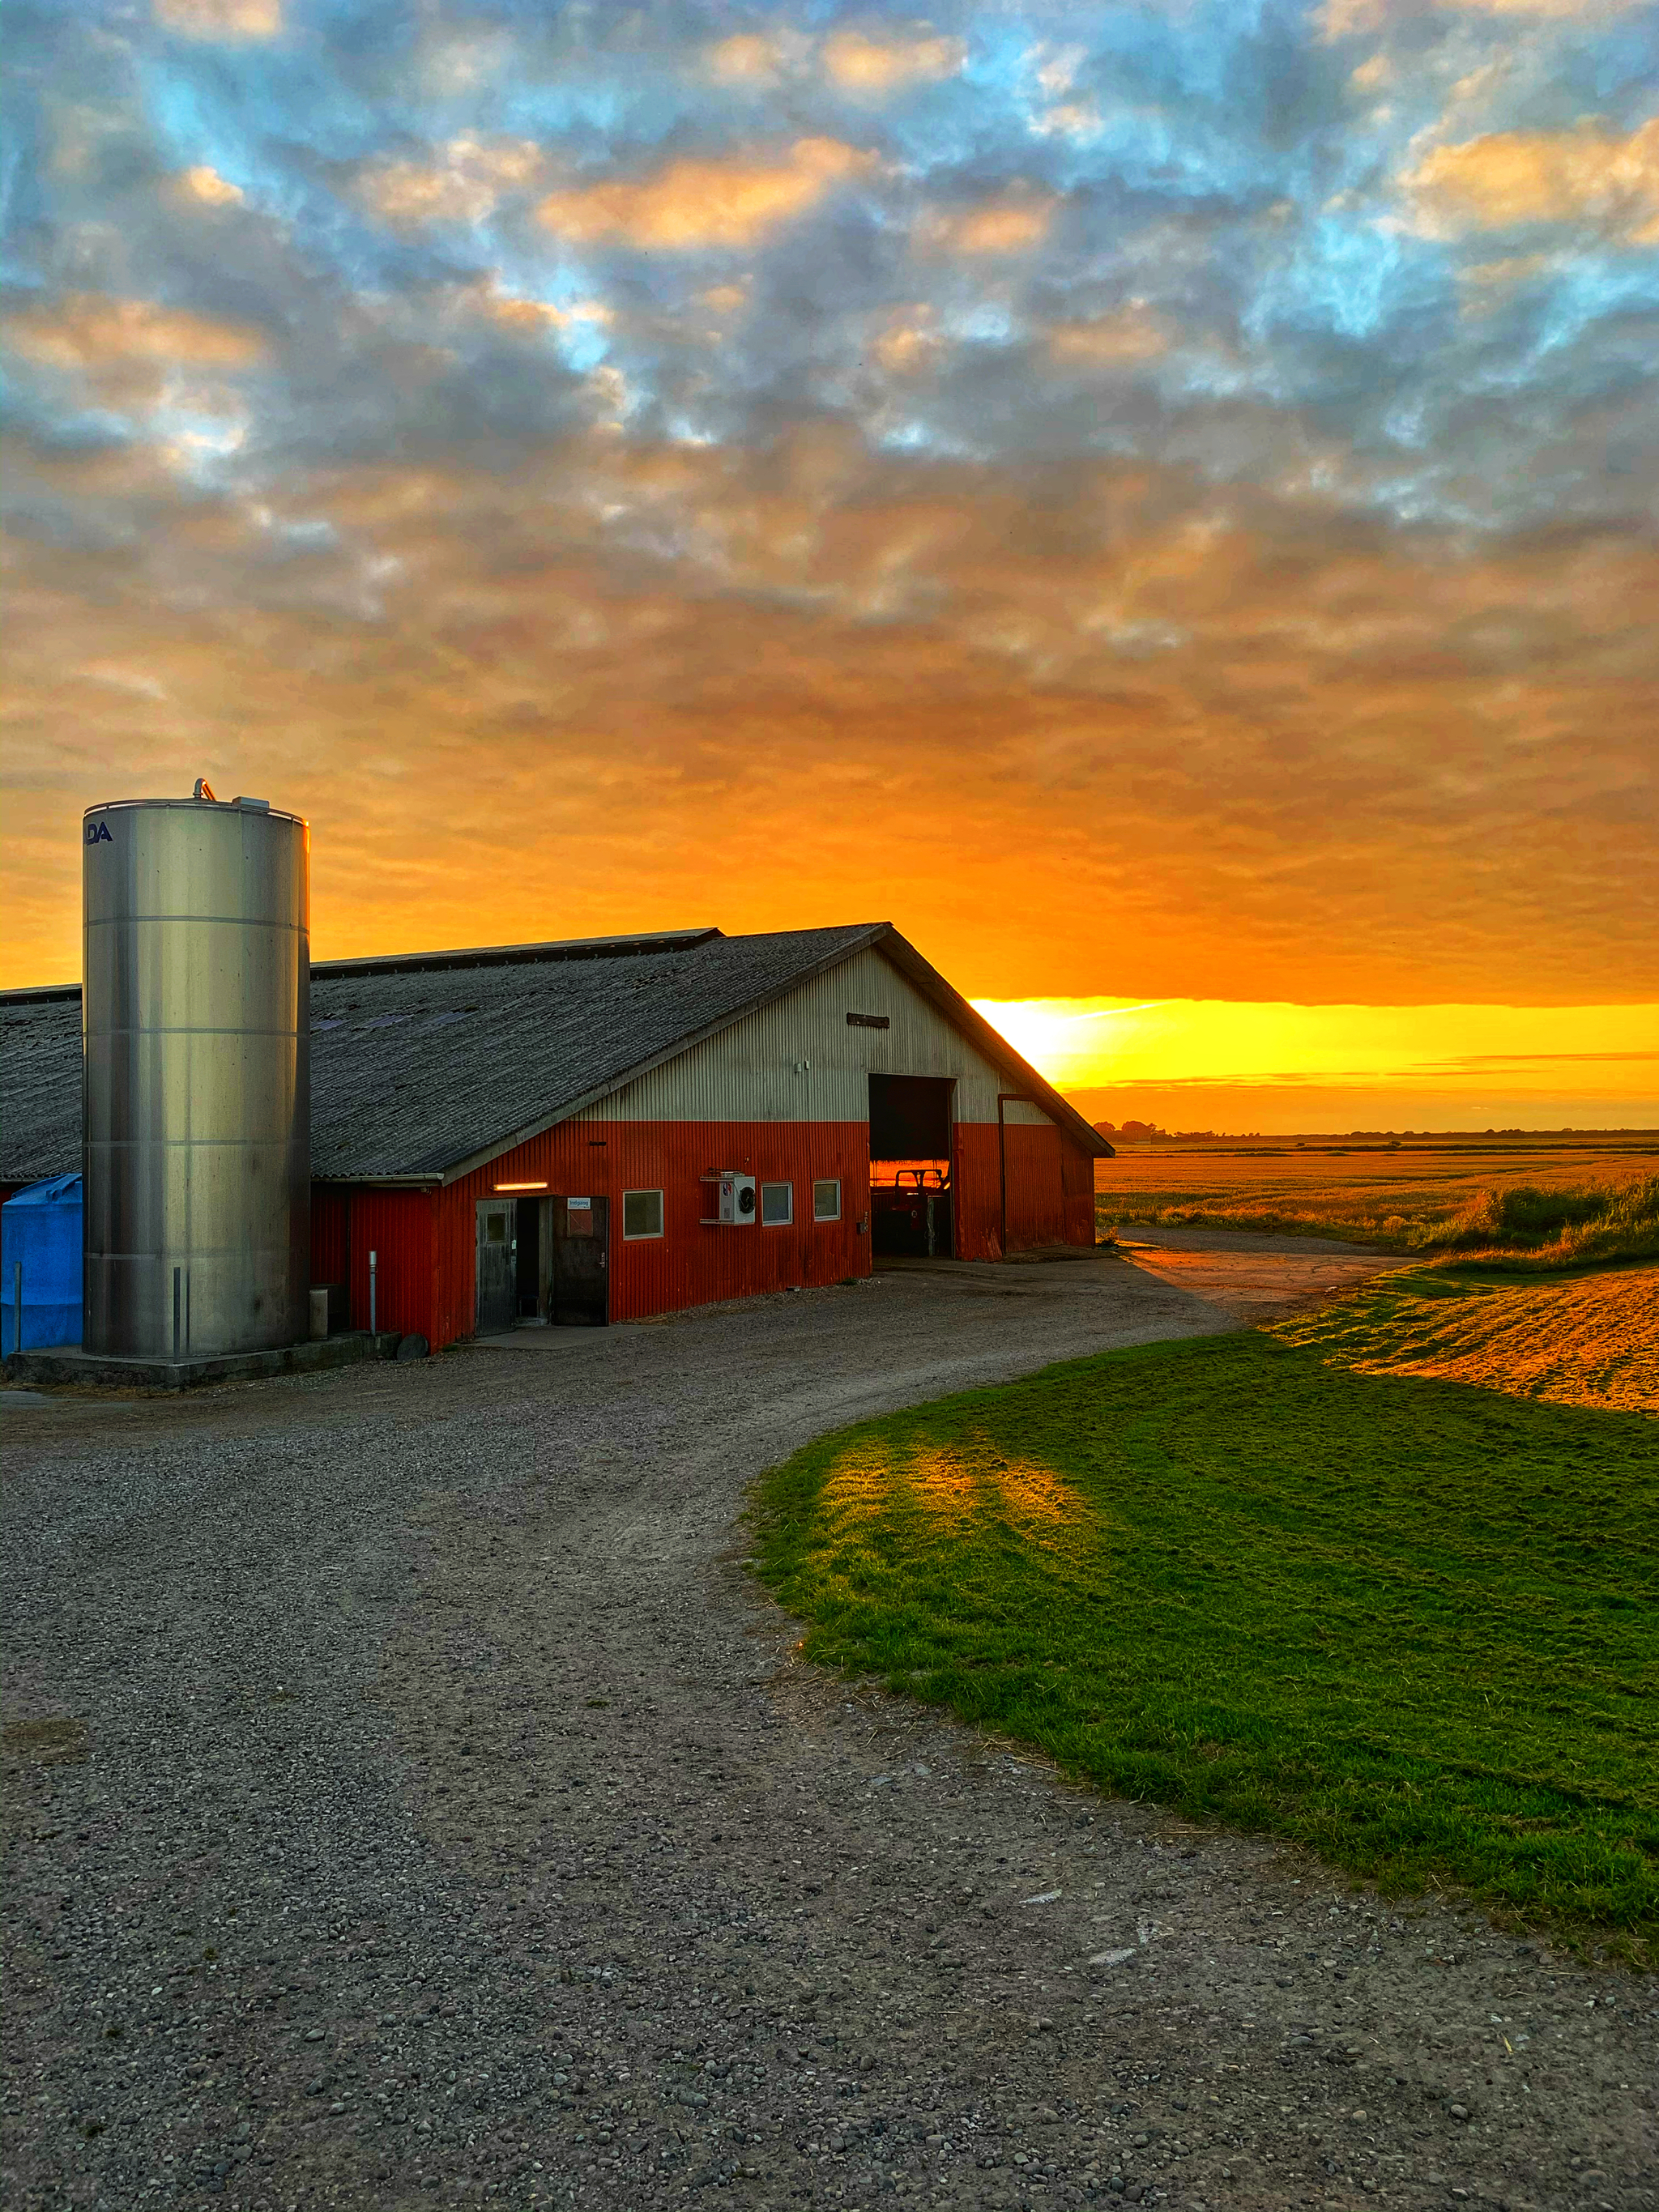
(40,1228)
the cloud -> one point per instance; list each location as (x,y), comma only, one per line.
(86,329)
(1131,335)
(528,317)
(748,57)
(910,340)
(693,204)
(875,67)
(1591,176)
(1011,224)
(208,188)
(464,185)
(1567,11)
(231,20)
(1341,19)
(1094,444)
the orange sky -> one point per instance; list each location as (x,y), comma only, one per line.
(1157,512)
(1185,1064)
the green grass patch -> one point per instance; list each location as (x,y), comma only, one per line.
(1409,1624)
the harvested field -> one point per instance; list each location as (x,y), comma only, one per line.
(1583,1341)
(1400,1194)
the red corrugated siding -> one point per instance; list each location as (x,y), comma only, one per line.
(976,1213)
(426,1241)
(397,1227)
(687,1265)
(1077,1180)
(1037,1199)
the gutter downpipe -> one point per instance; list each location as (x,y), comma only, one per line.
(1007,1098)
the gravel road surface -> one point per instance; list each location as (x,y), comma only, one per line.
(410,1801)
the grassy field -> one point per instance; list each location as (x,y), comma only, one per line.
(1525,1204)
(1576,1340)
(1404,1623)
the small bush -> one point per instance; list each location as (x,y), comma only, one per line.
(1524,1228)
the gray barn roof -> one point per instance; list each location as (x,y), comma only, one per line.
(425,1065)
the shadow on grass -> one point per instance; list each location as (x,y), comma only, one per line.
(1408,1625)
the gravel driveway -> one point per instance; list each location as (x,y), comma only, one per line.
(410,1801)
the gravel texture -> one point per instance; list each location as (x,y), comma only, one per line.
(411,1801)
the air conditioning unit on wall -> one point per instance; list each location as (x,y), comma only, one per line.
(736,1204)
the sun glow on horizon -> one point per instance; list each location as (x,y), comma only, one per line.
(1113,1045)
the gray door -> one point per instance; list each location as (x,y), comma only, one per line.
(579,1293)
(497,1271)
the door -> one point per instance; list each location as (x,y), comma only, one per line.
(497,1280)
(527,1270)
(578,1284)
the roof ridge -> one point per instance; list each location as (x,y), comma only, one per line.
(510,956)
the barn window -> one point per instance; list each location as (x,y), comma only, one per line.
(826,1199)
(641,1213)
(777,1205)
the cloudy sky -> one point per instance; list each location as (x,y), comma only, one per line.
(1157,499)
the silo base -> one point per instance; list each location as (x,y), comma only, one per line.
(114,1371)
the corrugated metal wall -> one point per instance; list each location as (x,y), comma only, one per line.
(689,1265)
(396,1225)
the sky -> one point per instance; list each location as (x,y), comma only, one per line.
(1157,499)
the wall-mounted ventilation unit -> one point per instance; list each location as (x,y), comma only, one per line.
(735,1202)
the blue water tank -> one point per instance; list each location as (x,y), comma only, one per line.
(40,1231)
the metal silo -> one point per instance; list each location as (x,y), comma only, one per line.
(197,1094)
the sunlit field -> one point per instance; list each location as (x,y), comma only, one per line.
(1564,1201)
(1576,1340)
(1404,1623)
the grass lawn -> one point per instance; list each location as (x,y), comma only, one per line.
(1409,1624)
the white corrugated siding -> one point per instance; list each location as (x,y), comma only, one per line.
(754,1070)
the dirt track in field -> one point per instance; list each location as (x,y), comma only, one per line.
(432,1812)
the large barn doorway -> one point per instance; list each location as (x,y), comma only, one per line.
(911,1201)
(578,1276)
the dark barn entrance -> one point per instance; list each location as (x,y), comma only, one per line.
(910,1196)
(578,1281)
(527,1232)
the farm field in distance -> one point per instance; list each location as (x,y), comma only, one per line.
(1357,1179)
(1531,1257)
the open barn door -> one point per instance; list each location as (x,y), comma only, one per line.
(911,1199)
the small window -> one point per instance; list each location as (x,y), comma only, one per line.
(641,1213)
(496,1228)
(777,1204)
(826,1199)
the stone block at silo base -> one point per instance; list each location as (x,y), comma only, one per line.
(68,1363)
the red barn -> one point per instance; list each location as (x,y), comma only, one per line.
(606,1128)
